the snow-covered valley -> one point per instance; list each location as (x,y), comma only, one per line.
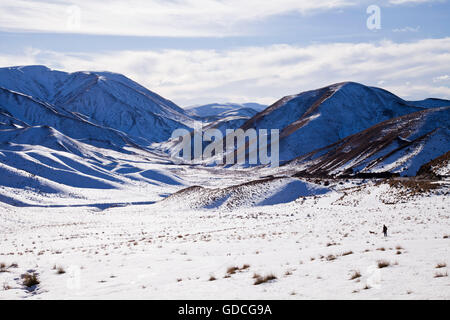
(92,206)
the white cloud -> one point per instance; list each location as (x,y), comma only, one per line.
(407,29)
(412,1)
(149,17)
(445,77)
(265,74)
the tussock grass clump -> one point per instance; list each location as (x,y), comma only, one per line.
(212,278)
(3,267)
(6,286)
(399,247)
(30,280)
(355,275)
(60,270)
(346,253)
(441,274)
(266,278)
(383,263)
(441,265)
(331,257)
(232,270)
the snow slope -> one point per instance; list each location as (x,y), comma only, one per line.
(263,192)
(45,165)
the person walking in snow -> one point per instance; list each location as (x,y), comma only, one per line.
(385,230)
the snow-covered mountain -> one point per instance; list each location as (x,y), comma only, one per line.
(217,111)
(42,160)
(101,130)
(400,145)
(216,116)
(65,133)
(315,119)
(103,99)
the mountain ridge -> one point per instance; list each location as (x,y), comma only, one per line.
(92,95)
(102,130)
(326,115)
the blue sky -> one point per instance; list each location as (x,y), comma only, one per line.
(201,51)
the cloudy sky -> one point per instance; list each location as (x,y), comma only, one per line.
(203,51)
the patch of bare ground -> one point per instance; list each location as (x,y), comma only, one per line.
(429,169)
(404,189)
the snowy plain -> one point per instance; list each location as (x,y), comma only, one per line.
(164,250)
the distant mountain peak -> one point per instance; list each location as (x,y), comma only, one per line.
(102,98)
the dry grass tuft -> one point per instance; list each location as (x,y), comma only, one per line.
(441,265)
(383,263)
(212,278)
(441,274)
(331,257)
(232,270)
(60,270)
(260,280)
(355,275)
(30,280)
